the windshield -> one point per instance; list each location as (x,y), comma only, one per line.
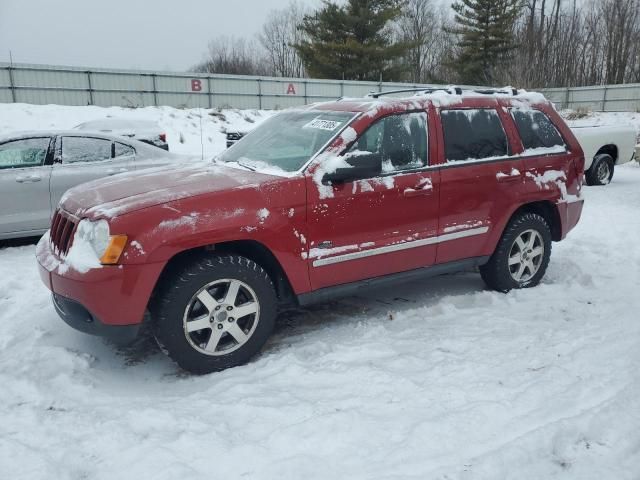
(287,141)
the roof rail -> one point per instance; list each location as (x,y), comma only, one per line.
(453,90)
(492,91)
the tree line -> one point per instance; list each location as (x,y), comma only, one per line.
(525,43)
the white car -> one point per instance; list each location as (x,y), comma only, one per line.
(142,130)
(604,148)
(36,168)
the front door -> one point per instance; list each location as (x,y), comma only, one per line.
(376,226)
(82,159)
(24,183)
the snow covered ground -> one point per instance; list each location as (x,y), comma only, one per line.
(183,126)
(439,379)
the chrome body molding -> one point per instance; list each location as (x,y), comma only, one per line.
(400,246)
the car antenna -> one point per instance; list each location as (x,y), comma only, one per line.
(201,138)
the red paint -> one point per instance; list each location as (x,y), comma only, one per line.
(291,89)
(196,85)
(189,208)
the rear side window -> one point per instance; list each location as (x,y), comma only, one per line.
(85,149)
(122,150)
(536,130)
(401,141)
(473,135)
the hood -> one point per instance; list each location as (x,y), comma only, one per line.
(114,196)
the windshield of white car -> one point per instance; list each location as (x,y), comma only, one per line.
(287,141)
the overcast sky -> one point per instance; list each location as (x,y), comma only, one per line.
(148,34)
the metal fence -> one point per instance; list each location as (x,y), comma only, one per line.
(44,84)
(604,98)
(40,84)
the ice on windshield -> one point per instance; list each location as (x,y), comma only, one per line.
(287,141)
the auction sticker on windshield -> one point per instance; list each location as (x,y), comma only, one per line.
(320,124)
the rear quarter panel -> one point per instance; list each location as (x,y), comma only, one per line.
(554,178)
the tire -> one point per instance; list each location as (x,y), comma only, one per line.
(526,240)
(601,170)
(215,312)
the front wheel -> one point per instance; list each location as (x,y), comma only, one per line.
(522,255)
(215,313)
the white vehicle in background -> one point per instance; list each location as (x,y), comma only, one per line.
(36,168)
(142,130)
(604,148)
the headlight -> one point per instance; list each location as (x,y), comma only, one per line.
(107,248)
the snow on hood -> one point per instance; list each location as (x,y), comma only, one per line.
(114,196)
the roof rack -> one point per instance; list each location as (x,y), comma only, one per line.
(492,91)
(453,90)
(450,90)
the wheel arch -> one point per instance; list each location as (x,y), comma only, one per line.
(547,210)
(251,249)
(609,149)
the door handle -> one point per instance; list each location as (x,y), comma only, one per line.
(114,171)
(28,179)
(513,176)
(414,192)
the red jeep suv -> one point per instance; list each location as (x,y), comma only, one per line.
(316,202)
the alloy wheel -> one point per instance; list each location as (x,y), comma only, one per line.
(526,255)
(221,317)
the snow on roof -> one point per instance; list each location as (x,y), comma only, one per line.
(441,97)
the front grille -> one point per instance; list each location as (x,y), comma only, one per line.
(63,227)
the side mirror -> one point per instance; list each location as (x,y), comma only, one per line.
(363,165)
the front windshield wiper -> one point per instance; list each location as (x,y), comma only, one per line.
(242,164)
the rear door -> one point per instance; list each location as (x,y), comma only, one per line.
(149,157)
(24,185)
(377,226)
(81,159)
(480,181)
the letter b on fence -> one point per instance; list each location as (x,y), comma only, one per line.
(196,85)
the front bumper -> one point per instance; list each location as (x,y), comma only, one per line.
(81,319)
(107,301)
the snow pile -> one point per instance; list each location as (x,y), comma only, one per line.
(434,379)
(182,126)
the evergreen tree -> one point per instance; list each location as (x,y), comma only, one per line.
(354,41)
(486,38)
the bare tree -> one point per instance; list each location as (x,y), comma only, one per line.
(425,26)
(234,56)
(279,33)
(560,43)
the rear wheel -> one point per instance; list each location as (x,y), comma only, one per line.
(601,171)
(522,255)
(215,313)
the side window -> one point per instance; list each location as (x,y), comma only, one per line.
(122,150)
(473,135)
(536,130)
(401,141)
(30,152)
(84,149)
